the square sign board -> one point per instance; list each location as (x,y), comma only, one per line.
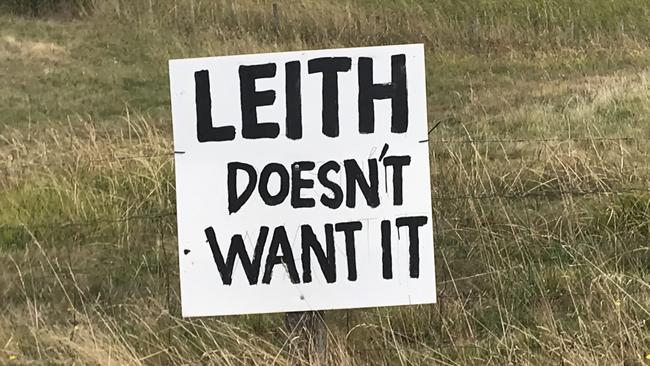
(302,180)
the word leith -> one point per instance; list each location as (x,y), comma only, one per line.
(328,69)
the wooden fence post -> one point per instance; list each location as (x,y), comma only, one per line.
(307,337)
(276,18)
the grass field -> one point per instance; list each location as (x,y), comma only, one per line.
(540,173)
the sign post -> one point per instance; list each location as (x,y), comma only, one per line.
(307,336)
(302,181)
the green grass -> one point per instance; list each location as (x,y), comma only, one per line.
(541,246)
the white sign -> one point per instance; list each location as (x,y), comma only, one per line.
(302,180)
